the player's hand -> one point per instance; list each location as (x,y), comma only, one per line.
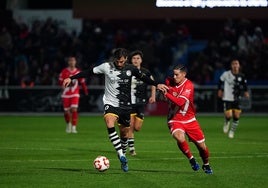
(246,94)
(66,82)
(152,100)
(220,93)
(162,87)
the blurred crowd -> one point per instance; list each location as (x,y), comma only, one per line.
(35,54)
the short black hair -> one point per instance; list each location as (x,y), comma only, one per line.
(180,67)
(120,52)
(136,52)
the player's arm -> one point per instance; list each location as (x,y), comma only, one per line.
(153,93)
(84,86)
(61,78)
(245,87)
(83,74)
(180,101)
(148,80)
(220,88)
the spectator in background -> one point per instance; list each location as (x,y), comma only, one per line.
(70,95)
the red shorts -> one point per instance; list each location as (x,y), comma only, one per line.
(191,129)
(71,102)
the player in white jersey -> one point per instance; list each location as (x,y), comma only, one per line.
(117,97)
(231,87)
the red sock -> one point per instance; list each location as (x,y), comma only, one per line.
(74,118)
(67,117)
(204,154)
(184,147)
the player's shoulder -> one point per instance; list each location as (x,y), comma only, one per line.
(170,81)
(189,83)
(145,70)
(226,73)
(106,65)
(64,70)
(130,66)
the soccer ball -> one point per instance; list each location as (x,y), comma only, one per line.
(101,163)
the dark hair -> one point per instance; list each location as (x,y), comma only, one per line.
(120,52)
(136,52)
(180,67)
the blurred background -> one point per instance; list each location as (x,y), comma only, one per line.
(37,36)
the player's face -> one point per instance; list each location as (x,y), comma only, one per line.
(71,62)
(120,63)
(136,60)
(235,66)
(178,76)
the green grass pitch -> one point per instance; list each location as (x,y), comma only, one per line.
(36,152)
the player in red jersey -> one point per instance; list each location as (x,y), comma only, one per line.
(71,95)
(181,117)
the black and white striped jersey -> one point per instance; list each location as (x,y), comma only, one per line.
(233,85)
(118,83)
(139,93)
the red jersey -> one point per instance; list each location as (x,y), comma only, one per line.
(181,101)
(73,89)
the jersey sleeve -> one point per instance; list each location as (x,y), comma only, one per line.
(136,72)
(184,96)
(100,69)
(62,76)
(221,81)
(245,85)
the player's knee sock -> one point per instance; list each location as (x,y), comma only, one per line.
(74,118)
(67,117)
(184,147)
(131,144)
(204,154)
(227,120)
(234,124)
(114,138)
(124,144)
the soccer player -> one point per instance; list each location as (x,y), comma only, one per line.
(181,117)
(117,97)
(139,98)
(71,95)
(231,87)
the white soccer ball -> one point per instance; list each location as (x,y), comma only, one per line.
(101,163)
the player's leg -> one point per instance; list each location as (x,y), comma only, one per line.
(74,119)
(204,154)
(124,124)
(137,122)
(227,116)
(124,132)
(178,133)
(67,114)
(131,139)
(196,135)
(74,113)
(236,116)
(111,117)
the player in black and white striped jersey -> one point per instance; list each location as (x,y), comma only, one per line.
(231,87)
(139,98)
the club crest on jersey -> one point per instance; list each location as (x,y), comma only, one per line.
(128,73)
(187,91)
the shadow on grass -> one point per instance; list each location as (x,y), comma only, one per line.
(83,171)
